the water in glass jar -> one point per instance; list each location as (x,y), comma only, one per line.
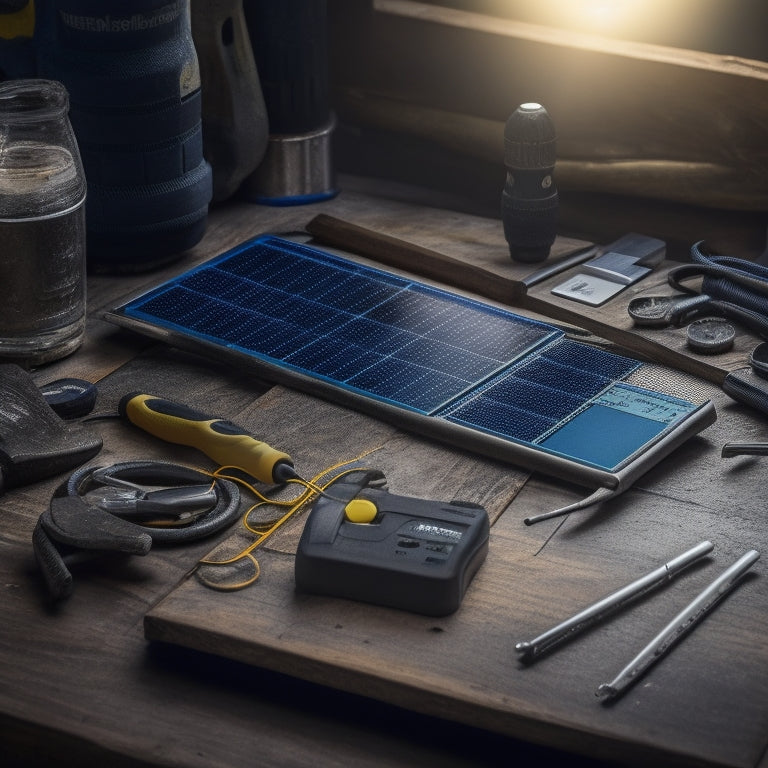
(42,242)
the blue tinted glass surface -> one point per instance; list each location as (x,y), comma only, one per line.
(360,328)
(407,344)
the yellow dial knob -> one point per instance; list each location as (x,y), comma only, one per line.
(360,511)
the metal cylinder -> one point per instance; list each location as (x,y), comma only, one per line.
(290,48)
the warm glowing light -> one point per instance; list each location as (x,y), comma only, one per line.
(733,27)
(605,16)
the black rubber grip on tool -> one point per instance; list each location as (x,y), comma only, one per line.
(70,398)
(50,562)
(72,521)
(35,443)
(69,525)
(748,388)
(72,529)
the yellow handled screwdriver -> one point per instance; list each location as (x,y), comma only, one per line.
(220,440)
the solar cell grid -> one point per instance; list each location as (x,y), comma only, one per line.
(401,342)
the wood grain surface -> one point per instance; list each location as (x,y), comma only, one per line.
(701,705)
(640,144)
(485,266)
(632,118)
(265,676)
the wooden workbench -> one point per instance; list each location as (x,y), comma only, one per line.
(263,677)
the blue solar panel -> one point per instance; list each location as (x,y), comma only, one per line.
(398,342)
(372,331)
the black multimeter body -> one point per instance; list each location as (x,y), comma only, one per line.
(416,555)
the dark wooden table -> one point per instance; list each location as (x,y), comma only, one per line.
(257,678)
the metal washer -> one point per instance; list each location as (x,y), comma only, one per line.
(710,335)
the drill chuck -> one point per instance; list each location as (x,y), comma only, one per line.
(529,200)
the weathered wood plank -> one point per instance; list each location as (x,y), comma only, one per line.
(631,118)
(81,680)
(78,685)
(485,267)
(319,435)
(463,667)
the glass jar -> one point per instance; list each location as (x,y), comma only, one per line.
(42,224)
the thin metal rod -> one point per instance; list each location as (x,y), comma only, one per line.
(560,265)
(683,623)
(613,602)
(744,449)
(601,494)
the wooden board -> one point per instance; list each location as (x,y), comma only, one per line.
(702,705)
(80,686)
(632,119)
(639,145)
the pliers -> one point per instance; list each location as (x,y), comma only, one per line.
(128,518)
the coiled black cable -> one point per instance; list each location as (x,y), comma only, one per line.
(224,513)
(738,289)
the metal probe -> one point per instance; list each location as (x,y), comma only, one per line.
(683,623)
(729,450)
(601,494)
(528,651)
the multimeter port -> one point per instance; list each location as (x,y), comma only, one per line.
(416,555)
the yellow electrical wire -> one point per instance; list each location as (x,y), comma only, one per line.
(265,529)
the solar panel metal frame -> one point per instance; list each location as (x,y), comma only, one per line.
(452,433)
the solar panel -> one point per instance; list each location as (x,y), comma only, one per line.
(447,366)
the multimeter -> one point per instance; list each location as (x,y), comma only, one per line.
(408,553)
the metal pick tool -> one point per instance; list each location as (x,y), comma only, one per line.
(557,266)
(532,649)
(600,495)
(683,623)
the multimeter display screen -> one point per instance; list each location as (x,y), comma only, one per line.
(413,348)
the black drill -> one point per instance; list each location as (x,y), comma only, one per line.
(529,200)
